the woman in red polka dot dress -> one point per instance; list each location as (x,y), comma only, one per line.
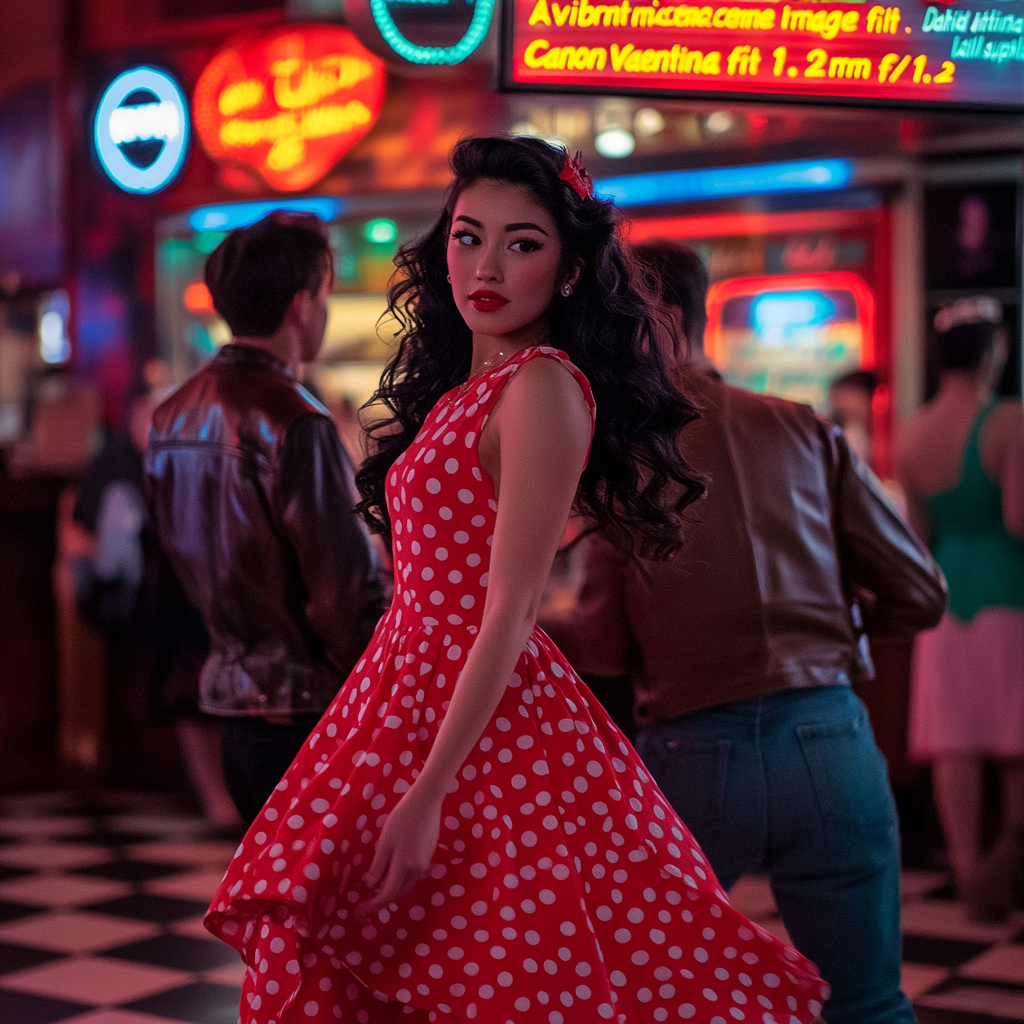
(466,836)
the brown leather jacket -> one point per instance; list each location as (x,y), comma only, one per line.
(758,598)
(250,493)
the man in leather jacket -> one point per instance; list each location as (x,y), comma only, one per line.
(743,648)
(251,495)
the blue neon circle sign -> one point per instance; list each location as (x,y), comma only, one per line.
(162,117)
(416,54)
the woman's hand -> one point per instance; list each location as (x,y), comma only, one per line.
(404,850)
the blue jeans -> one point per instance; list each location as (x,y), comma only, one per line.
(794,782)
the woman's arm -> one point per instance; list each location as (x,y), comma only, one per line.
(1007,428)
(595,634)
(540,430)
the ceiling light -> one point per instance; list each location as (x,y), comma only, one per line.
(572,122)
(648,122)
(719,122)
(615,143)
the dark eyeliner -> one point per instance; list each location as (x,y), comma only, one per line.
(536,246)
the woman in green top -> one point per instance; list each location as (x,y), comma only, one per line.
(961,461)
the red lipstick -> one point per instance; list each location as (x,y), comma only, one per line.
(487,301)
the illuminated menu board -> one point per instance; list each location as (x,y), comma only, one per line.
(963,54)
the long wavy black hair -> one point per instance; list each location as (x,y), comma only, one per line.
(612,327)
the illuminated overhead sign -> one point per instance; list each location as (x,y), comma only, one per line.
(907,53)
(288,103)
(426,32)
(141,130)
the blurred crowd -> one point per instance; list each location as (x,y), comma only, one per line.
(958,482)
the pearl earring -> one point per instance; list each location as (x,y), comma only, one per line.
(566,290)
(449,278)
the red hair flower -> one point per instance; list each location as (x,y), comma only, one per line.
(574,174)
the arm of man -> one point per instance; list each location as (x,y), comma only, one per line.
(594,635)
(338,564)
(880,553)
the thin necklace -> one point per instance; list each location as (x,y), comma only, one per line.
(485,365)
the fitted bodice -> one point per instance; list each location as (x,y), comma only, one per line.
(975,503)
(443,506)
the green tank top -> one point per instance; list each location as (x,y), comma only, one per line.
(984,565)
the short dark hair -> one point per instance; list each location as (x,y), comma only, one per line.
(964,346)
(254,274)
(859,380)
(682,280)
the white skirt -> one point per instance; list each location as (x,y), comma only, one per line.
(967,687)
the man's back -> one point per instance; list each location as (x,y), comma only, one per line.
(759,596)
(250,493)
(739,647)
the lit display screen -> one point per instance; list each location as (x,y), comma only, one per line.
(789,335)
(910,53)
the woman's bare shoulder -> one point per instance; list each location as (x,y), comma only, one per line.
(910,434)
(546,363)
(1008,414)
(547,380)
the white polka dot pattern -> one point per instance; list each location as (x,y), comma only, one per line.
(563,887)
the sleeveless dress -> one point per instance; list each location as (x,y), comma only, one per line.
(967,693)
(563,888)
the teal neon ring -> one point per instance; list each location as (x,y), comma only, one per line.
(481,21)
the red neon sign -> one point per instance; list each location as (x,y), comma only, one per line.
(290,102)
(902,51)
(719,225)
(855,329)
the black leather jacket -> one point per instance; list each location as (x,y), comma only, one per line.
(250,493)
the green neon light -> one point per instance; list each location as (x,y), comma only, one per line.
(380,231)
(482,11)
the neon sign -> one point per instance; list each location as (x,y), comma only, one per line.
(141,130)
(288,103)
(790,334)
(901,51)
(228,216)
(725,182)
(424,32)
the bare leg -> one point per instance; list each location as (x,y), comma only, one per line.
(200,750)
(994,887)
(1009,850)
(957,784)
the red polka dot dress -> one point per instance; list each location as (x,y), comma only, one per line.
(564,887)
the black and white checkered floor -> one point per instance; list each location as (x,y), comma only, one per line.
(101,901)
